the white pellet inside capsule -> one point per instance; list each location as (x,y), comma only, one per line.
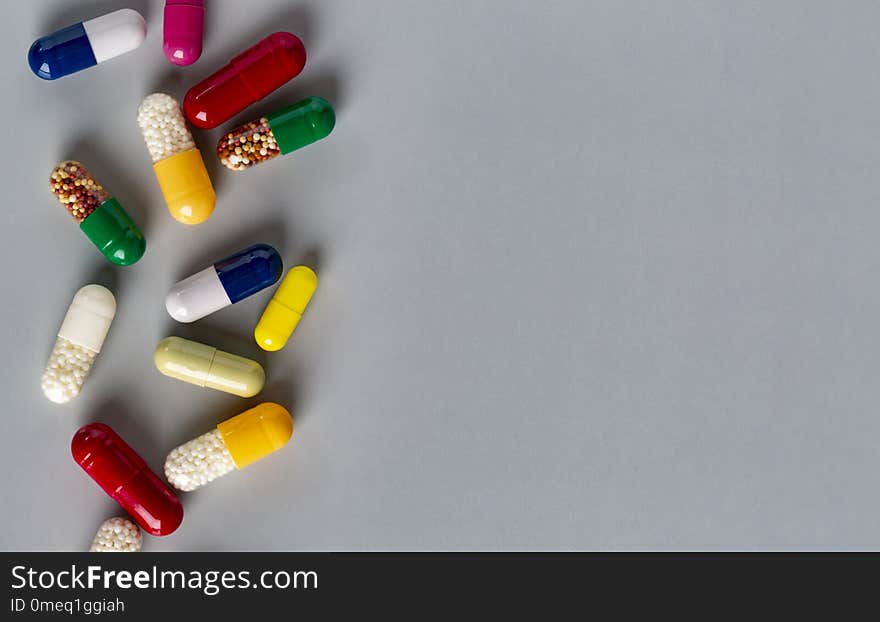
(66,371)
(117,535)
(163,127)
(201,460)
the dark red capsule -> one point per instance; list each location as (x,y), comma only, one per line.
(123,474)
(246,79)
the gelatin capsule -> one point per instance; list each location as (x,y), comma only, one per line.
(226,282)
(80,338)
(246,79)
(101,217)
(233,444)
(183,26)
(117,535)
(206,366)
(283,131)
(86,44)
(126,478)
(284,311)
(177,163)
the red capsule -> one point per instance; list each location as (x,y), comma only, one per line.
(246,79)
(123,474)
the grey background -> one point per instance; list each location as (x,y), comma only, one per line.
(593,275)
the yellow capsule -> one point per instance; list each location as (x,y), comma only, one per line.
(186,187)
(256,433)
(284,311)
(206,366)
(233,444)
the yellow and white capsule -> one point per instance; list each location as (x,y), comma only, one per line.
(178,165)
(80,338)
(285,310)
(206,366)
(117,535)
(233,444)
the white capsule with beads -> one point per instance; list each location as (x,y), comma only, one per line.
(178,165)
(80,338)
(117,535)
(234,444)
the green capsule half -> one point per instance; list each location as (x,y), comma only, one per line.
(100,217)
(285,130)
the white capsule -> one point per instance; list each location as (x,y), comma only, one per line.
(80,338)
(117,535)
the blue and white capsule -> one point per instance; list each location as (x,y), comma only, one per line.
(86,44)
(226,282)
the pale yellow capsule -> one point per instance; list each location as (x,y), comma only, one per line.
(206,366)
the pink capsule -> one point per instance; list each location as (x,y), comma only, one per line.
(184,25)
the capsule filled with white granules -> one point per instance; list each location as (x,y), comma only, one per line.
(117,535)
(233,444)
(178,165)
(80,338)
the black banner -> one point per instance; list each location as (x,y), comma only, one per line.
(230,586)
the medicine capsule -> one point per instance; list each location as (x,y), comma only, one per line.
(101,217)
(226,282)
(246,79)
(283,131)
(234,444)
(284,311)
(206,366)
(123,474)
(177,163)
(86,44)
(80,338)
(184,24)
(117,535)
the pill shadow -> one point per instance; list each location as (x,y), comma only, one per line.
(271,231)
(206,143)
(282,391)
(298,20)
(197,423)
(327,83)
(133,427)
(171,82)
(105,274)
(74,12)
(313,258)
(130,193)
